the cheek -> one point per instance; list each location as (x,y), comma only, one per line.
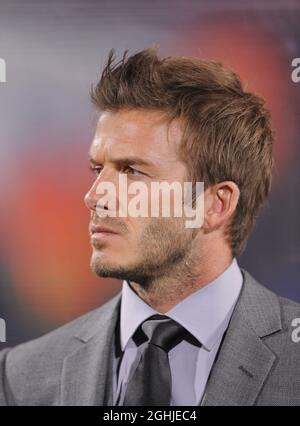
(135,226)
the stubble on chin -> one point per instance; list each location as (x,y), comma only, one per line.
(156,256)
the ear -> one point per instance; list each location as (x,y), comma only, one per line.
(220,201)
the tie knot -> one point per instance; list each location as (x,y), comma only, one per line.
(161,331)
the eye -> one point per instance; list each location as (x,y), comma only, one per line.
(96,169)
(130,170)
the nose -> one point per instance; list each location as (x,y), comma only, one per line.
(92,198)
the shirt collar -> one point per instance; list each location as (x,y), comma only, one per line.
(204,313)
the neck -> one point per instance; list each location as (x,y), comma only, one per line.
(163,293)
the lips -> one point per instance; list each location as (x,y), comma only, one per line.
(95,229)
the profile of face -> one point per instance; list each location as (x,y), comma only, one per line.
(144,146)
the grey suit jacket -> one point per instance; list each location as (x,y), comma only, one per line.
(258,362)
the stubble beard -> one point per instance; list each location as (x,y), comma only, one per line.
(163,247)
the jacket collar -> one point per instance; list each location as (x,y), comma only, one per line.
(87,372)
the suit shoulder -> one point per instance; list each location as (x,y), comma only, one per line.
(289,305)
(286,342)
(261,292)
(290,312)
(52,347)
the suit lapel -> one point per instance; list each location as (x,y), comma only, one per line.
(244,361)
(240,369)
(87,372)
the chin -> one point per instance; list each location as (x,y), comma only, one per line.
(101,266)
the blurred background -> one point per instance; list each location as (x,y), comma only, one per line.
(54,51)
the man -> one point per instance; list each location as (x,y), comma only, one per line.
(189,326)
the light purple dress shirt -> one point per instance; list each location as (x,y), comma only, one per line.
(205,314)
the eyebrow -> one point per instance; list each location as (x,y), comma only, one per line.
(126,161)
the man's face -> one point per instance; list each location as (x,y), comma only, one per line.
(142,145)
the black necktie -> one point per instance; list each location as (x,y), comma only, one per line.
(151,381)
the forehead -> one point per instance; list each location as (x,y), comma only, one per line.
(137,132)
